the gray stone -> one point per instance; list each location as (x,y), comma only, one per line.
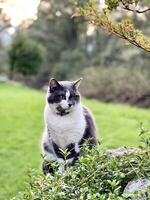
(139,185)
(116,153)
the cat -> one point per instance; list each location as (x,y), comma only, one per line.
(68,124)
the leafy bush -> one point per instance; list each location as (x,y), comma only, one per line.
(117,84)
(95,176)
(25,55)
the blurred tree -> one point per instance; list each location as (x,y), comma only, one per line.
(72,62)
(25,55)
(73,44)
(58,32)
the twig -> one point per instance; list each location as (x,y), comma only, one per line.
(126,7)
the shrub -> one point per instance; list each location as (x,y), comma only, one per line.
(95,176)
(25,55)
(117,84)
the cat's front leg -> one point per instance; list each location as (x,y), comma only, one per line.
(73,155)
(49,158)
(47,167)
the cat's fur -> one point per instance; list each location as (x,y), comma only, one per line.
(67,123)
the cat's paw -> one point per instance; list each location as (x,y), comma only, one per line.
(47,167)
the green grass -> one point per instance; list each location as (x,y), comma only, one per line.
(21,125)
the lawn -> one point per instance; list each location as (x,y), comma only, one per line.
(21,125)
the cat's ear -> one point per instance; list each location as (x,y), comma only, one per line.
(77,83)
(53,85)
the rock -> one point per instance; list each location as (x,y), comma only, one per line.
(3,79)
(139,185)
(116,153)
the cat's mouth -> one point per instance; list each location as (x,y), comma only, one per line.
(61,111)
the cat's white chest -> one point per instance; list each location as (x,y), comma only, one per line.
(65,129)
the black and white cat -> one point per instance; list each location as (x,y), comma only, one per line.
(67,123)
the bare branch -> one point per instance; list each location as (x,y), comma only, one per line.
(126,7)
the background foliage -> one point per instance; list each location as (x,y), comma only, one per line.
(74,46)
(75,40)
(63,42)
(25,55)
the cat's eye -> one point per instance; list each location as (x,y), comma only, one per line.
(62,96)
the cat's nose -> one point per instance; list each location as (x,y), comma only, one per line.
(70,104)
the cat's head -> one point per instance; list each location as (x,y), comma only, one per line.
(63,96)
